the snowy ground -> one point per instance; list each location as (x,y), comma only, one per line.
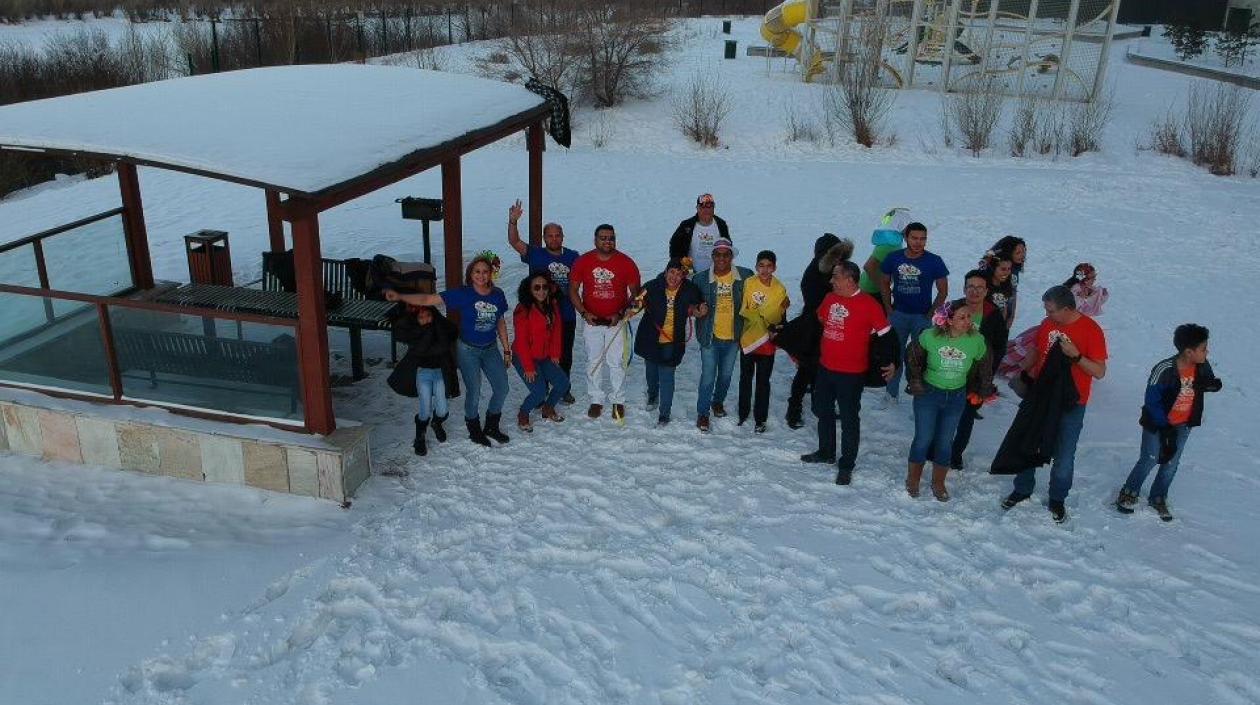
(591,564)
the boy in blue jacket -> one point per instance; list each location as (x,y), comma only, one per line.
(1173,406)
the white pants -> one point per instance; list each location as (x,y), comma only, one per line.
(616,342)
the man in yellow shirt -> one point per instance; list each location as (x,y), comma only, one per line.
(762,307)
(718,334)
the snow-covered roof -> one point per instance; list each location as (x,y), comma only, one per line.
(297,129)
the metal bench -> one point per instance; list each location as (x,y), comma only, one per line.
(270,364)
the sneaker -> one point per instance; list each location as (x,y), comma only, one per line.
(719,411)
(759,428)
(1057,510)
(795,422)
(595,410)
(651,403)
(662,421)
(568,398)
(818,457)
(1014,498)
(702,423)
(844,476)
(1126,501)
(1161,506)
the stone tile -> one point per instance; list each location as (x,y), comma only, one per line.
(22,428)
(330,485)
(356,465)
(60,436)
(265,466)
(223,460)
(303,472)
(98,440)
(179,454)
(138,448)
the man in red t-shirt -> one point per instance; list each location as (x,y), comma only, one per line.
(1082,341)
(848,316)
(602,284)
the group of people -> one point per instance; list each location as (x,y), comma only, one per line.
(889,320)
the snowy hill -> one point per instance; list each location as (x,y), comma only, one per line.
(587,563)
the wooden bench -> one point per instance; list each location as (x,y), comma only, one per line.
(271,364)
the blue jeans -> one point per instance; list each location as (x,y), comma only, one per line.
(1147,460)
(546,374)
(660,380)
(936,414)
(717,364)
(907,326)
(1064,458)
(431,389)
(474,362)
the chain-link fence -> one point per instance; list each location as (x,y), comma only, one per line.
(1047,48)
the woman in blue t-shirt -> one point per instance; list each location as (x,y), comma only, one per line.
(480,306)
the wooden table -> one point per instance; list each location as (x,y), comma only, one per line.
(353,314)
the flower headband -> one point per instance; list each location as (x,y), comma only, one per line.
(943,314)
(1083,271)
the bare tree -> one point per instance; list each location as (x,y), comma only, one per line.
(623,47)
(1167,135)
(859,103)
(700,107)
(974,115)
(1215,118)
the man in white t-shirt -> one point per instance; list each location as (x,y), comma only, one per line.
(695,236)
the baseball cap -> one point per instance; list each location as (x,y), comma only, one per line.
(725,244)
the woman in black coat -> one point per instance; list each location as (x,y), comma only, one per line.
(427,371)
(662,336)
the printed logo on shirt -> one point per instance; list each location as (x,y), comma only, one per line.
(837,313)
(999,299)
(559,273)
(758,298)
(707,237)
(1055,336)
(908,270)
(603,276)
(724,289)
(487,316)
(951,357)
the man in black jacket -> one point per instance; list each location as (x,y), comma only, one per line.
(829,251)
(694,237)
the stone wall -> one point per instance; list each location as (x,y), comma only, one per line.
(328,467)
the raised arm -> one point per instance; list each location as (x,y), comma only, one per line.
(514,234)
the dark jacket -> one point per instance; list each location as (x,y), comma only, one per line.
(996,334)
(646,340)
(1034,433)
(707,284)
(432,346)
(680,241)
(816,284)
(1162,388)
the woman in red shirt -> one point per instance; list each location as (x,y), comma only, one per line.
(536,350)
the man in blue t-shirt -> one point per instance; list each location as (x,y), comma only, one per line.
(556,260)
(909,275)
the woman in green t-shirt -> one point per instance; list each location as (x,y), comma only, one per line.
(946,364)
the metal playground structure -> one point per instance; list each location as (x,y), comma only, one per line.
(1047,48)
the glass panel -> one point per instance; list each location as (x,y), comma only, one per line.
(207,363)
(17,267)
(91,259)
(65,352)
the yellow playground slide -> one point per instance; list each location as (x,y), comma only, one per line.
(778,30)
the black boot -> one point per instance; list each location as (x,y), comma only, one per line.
(492,428)
(418,445)
(475,433)
(438,431)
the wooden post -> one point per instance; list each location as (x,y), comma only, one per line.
(536,144)
(275,224)
(453,223)
(133,226)
(312,327)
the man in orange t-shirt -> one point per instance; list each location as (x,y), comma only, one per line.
(1082,341)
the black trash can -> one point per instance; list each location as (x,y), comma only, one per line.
(726,26)
(730,48)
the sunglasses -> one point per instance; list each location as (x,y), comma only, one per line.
(706,204)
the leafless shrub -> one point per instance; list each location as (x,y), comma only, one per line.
(1086,123)
(431,59)
(798,126)
(1167,135)
(973,116)
(700,107)
(540,44)
(1215,117)
(623,45)
(1052,130)
(1023,133)
(859,104)
(498,57)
